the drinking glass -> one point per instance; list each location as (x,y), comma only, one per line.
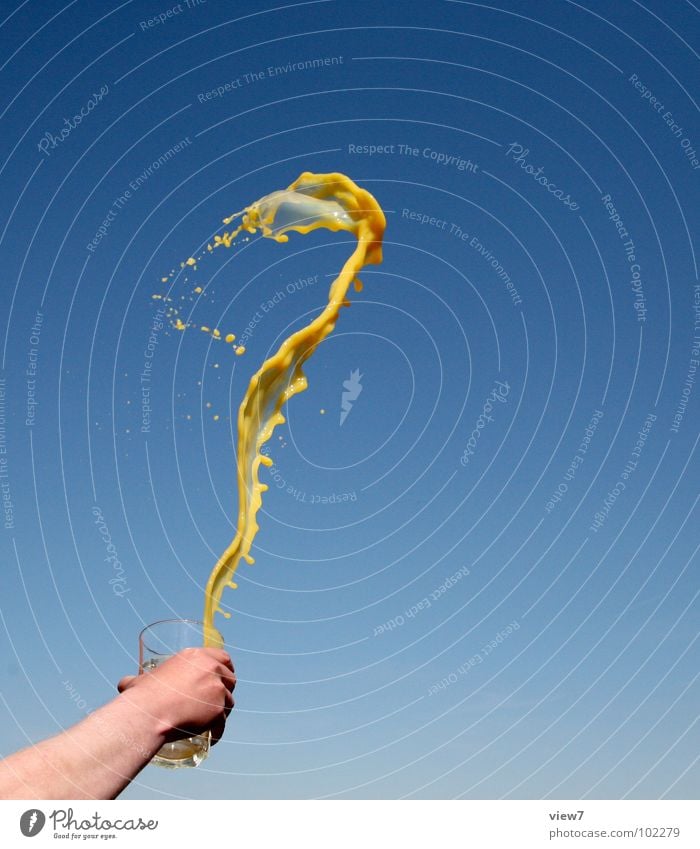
(158,642)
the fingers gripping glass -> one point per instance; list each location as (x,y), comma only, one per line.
(158,642)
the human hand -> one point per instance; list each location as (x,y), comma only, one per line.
(187,694)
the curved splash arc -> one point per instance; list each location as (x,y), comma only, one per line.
(335,202)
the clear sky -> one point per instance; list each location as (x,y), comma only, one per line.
(482,580)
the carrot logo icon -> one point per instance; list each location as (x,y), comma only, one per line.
(352,387)
(31,822)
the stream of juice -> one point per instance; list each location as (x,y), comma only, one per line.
(335,202)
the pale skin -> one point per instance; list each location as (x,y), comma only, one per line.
(97,758)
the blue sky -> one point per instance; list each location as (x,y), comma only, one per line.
(483,583)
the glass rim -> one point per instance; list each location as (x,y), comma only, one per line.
(142,632)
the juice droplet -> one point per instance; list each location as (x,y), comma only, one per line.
(230,338)
(240,350)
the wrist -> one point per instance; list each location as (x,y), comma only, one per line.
(145,717)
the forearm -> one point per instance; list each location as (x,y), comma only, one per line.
(95,759)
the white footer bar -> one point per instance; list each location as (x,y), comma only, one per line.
(355,824)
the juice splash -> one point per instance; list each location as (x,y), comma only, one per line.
(312,201)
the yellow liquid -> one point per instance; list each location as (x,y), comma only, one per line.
(332,201)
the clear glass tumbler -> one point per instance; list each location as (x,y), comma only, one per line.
(158,642)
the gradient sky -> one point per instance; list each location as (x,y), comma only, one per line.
(425,618)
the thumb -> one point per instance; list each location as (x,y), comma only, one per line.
(126,682)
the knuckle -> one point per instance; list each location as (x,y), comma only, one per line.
(189,653)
